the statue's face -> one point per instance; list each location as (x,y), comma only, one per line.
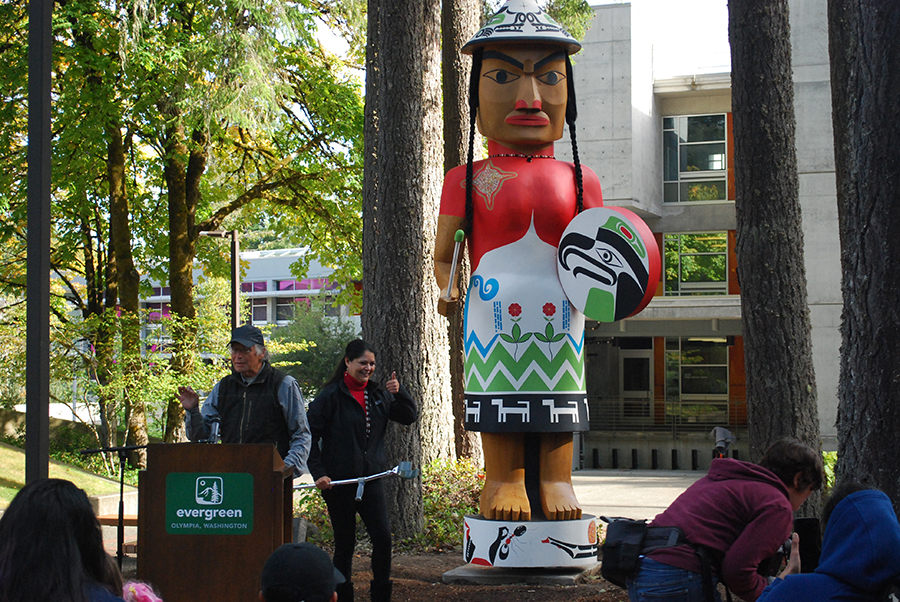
(522,95)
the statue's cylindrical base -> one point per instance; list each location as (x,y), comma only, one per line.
(530,544)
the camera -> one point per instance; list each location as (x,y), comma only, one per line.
(772,565)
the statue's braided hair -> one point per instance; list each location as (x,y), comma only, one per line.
(571,116)
(473,113)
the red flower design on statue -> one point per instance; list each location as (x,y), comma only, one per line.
(515,310)
(549,309)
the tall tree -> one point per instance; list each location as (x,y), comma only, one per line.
(781,386)
(245,112)
(865,87)
(85,67)
(459,22)
(403,173)
(244,108)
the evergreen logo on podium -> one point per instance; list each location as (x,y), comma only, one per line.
(199,503)
(209,491)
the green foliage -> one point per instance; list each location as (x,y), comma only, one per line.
(450,490)
(320,340)
(212,299)
(348,19)
(574,15)
(309,504)
(154,383)
(830,461)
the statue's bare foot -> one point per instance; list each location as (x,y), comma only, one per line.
(505,501)
(558,501)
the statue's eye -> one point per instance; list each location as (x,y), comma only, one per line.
(607,257)
(502,76)
(551,78)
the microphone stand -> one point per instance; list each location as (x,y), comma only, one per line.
(123,456)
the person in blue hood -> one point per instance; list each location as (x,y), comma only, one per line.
(860,552)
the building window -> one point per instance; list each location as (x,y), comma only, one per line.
(288,285)
(155,312)
(697,380)
(695,165)
(254,287)
(161,291)
(307,284)
(259,310)
(696,263)
(284,308)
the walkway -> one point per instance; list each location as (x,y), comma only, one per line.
(630,493)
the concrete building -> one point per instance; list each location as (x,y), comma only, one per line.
(268,288)
(660,381)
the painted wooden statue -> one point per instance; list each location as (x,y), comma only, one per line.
(524,338)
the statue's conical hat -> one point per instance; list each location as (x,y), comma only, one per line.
(522,21)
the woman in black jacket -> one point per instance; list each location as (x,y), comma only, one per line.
(348,420)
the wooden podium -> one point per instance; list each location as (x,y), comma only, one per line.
(209,517)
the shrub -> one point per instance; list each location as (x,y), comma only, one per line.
(310,505)
(450,490)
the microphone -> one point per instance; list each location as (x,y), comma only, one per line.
(213,431)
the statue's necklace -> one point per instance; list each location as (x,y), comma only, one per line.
(526,157)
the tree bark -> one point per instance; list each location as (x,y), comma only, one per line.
(781,386)
(399,220)
(184,164)
(459,22)
(129,293)
(96,273)
(865,83)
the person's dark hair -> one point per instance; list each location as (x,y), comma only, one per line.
(298,572)
(786,457)
(51,545)
(837,496)
(355,348)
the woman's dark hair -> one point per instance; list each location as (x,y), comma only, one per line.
(837,496)
(355,348)
(786,457)
(51,545)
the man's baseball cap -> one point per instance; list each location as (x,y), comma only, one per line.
(247,335)
(299,572)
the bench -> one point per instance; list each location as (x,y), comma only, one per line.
(112,520)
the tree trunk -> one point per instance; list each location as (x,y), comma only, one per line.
(865,83)
(459,22)
(184,166)
(399,220)
(129,294)
(102,359)
(781,386)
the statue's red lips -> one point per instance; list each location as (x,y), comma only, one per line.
(534,120)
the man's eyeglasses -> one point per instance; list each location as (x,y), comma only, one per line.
(241,350)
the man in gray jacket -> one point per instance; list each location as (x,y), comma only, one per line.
(254,404)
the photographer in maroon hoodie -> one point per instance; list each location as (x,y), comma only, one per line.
(741,513)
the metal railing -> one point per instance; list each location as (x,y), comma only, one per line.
(687,414)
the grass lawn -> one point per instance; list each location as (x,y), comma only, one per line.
(12,476)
